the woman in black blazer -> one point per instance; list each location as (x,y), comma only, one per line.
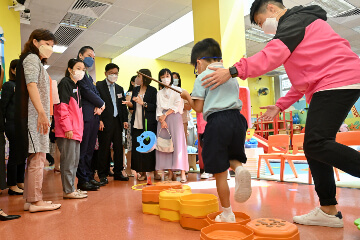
(143,104)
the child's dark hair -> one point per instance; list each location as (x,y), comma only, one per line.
(83,50)
(259,6)
(178,76)
(208,48)
(131,86)
(110,66)
(163,72)
(71,65)
(13,67)
(146,81)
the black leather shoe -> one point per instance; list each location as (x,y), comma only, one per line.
(11,192)
(8,217)
(121,178)
(104,181)
(87,186)
(96,183)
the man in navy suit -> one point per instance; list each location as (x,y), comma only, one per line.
(112,122)
(92,107)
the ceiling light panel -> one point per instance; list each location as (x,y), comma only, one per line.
(257,35)
(334,8)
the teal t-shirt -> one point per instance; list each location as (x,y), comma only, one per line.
(224,97)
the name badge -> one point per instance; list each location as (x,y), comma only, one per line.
(75,90)
(119,95)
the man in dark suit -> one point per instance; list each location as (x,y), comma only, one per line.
(112,121)
(92,107)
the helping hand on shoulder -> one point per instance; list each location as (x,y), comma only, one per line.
(216,78)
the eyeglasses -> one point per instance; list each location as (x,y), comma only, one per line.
(195,71)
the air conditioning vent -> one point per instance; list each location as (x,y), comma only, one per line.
(66,35)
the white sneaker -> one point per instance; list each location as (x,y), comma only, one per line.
(318,218)
(74,195)
(230,218)
(205,175)
(228,176)
(242,184)
(81,191)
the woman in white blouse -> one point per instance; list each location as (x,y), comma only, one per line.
(168,113)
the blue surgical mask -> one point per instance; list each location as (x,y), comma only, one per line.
(89,61)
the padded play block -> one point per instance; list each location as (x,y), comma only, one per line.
(152,209)
(170,199)
(151,194)
(274,229)
(241,218)
(191,223)
(169,202)
(198,205)
(226,231)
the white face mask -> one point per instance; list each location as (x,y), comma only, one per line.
(45,51)
(271,24)
(78,75)
(112,78)
(166,81)
(137,82)
(176,82)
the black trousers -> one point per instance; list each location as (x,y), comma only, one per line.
(327,111)
(15,171)
(112,133)
(87,146)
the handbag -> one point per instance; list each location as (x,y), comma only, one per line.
(164,145)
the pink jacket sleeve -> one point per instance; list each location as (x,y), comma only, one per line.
(62,110)
(272,56)
(289,99)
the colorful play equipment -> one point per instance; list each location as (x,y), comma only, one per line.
(241,218)
(194,209)
(169,203)
(244,96)
(145,148)
(357,223)
(258,229)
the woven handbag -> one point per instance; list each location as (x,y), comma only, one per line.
(165,145)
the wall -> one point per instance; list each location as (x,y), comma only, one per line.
(100,64)
(260,101)
(10,22)
(130,65)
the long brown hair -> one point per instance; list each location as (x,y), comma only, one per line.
(38,34)
(12,67)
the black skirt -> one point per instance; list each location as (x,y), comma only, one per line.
(141,162)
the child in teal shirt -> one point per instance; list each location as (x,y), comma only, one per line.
(225,132)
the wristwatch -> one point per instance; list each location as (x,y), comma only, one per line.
(233,71)
(145,104)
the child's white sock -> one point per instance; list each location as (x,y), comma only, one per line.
(227,211)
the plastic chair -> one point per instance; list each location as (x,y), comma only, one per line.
(282,141)
(298,142)
(348,138)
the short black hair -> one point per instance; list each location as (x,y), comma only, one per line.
(12,67)
(259,6)
(110,66)
(206,48)
(131,87)
(178,76)
(71,64)
(146,81)
(84,49)
(163,72)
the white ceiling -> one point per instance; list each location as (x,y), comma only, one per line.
(128,22)
(125,24)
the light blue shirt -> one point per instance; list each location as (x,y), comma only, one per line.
(224,97)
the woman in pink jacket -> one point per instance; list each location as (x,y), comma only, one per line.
(69,127)
(320,65)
